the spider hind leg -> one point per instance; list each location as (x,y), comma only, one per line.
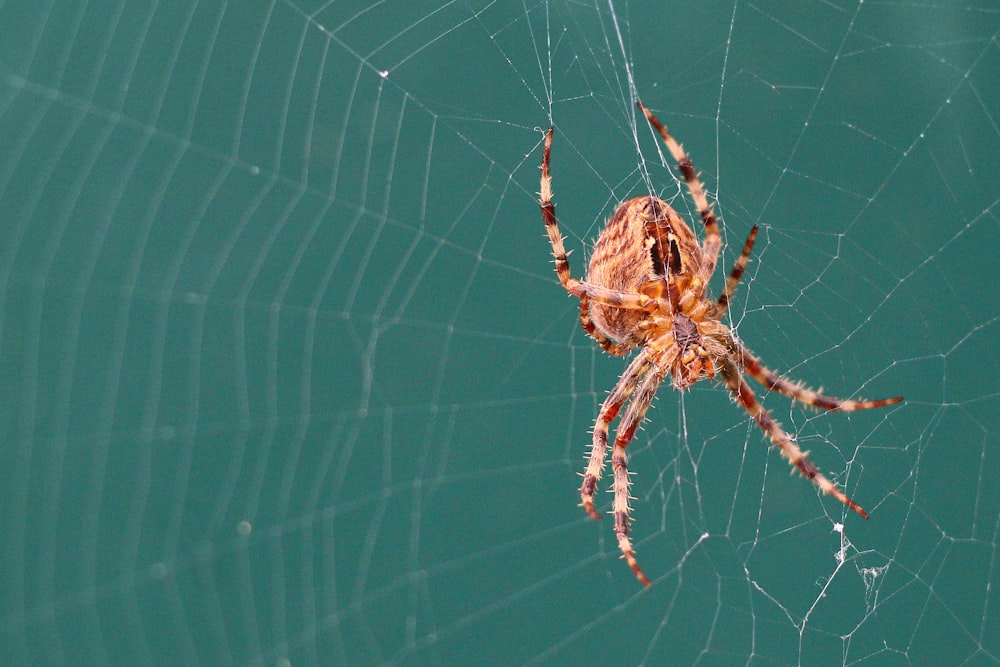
(738,268)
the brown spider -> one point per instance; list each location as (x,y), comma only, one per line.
(646,287)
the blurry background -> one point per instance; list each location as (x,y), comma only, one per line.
(287,378)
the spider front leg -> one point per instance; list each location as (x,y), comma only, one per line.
(647,379)
(619,460)
(742,392)
(609,410)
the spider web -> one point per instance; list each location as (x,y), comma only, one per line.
(287,377)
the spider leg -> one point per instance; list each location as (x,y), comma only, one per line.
(603,295)
(610,346)
(609,410)
(738,268)
(713,242)
(742,392)
(619,461)
(768,378)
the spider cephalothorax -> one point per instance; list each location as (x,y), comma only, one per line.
(646,287)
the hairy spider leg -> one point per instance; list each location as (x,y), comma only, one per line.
(795,456)
(610,346)
(713,241)
(768,378)
(619,462)
(609,410)
(603,295)
(738,268)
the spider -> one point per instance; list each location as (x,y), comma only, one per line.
(646,287)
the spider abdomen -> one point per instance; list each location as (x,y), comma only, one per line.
(644,240)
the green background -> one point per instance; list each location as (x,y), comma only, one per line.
(286,376)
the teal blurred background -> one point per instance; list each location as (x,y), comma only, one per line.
(287,378)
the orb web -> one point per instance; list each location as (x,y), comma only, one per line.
(288,377)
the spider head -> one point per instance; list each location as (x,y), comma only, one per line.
(696,352)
